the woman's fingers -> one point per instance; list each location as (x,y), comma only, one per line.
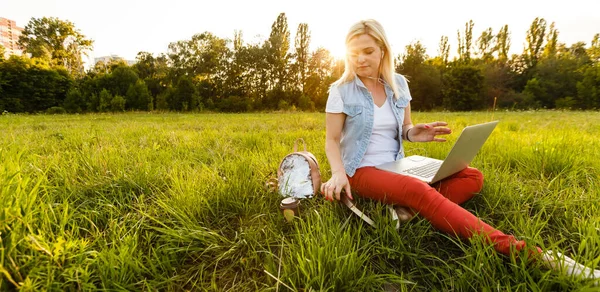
(331,190)
(348,192)
(328,190)
(337,192)
(442,131)
(324,191)
(429,132)
(438,124)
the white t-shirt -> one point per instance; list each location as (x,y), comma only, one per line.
(383,144)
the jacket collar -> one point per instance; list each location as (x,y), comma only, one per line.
(388,90)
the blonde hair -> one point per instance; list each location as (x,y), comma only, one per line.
(374,29)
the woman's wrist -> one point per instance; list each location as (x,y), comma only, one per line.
(407,134)
(338,168)
(341,172)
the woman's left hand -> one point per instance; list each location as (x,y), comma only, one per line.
(428,132)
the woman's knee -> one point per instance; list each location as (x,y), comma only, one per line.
(476,176)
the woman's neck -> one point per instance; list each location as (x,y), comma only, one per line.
(368,81)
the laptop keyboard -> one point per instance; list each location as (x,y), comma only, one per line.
(426,170)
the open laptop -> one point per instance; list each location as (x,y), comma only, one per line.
(462,153)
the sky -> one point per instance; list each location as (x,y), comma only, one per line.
(127,27)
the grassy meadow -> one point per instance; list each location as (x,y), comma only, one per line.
(175,202)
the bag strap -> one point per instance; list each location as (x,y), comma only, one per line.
(366,218)
(356,211)
(296,144)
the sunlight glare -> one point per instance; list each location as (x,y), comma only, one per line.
(338,51)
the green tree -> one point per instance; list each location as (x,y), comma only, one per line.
(145,65)
(102,67)
(89,86)
(233,85)
(138,97)
(302,43)
(426,87)
(444,50)
(321,75)
(414,56)
(238,42)
(185,96)
(105,100)
(463,85)
(204,54)
(534,91)
(556,78)
(278,46)
(497,83)
(164,98)
(117,104)
(551,42)
(31,85)
(594,49)
(534,41)
(465,44)
(119,80)
(503,44)
(254,78)
(2,52)
(57,41)
(588,89)
(486,46)
(74,102)
(153,70)
(204,61)
(425,78)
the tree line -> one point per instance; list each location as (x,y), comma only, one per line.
(207,72)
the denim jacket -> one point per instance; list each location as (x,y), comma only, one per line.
(359,109)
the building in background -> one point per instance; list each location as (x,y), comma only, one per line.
(9,37)
(108,59)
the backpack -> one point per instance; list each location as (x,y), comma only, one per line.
(298,174)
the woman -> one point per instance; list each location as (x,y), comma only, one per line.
(367,117)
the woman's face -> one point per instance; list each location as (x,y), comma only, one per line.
(364,55)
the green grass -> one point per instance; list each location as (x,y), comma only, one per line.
(177,202)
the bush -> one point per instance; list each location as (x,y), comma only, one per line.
(162,100)
(283,105)
(74,101)
(304,103)
(56,110)
(233,104)
(565,103)
(512,100)
(117,104)
(105,99)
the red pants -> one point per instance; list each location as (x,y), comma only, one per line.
(438,203)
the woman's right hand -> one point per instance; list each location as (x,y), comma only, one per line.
(335,185)
(428,132)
